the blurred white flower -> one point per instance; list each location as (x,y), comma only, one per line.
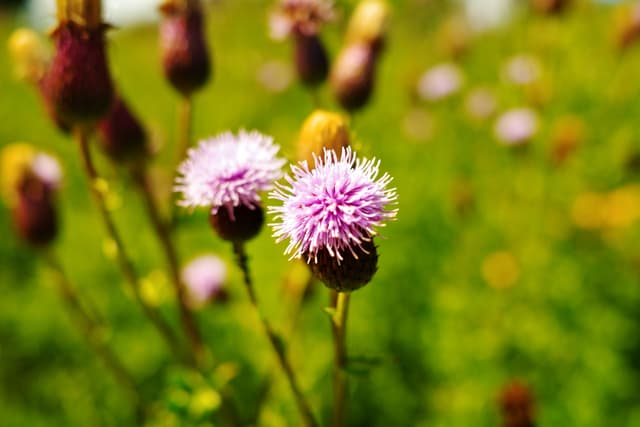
(486,14)
(440,82)
(517,126)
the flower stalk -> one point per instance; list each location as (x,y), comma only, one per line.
(340,305)
(124,263)
(276,341)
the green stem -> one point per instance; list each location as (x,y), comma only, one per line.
(340,301)
(125,264)
(276,342)
(162,231)
(185,124)
(90,328)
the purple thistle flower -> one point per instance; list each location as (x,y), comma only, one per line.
(229,170)
(336,207)
(204,278)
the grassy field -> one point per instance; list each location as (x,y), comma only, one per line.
(442,336)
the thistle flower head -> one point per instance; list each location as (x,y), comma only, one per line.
(335,207)
(229,171)
(304,17)
(204,278)
(516,127)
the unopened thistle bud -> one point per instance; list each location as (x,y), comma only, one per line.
(30,180)
(368,23)
(183,45)
(78,83)
(322,130)
(29,55)
(122,136)
(549,6)
(517,405)
(330,215)
(302,20)
(238,224)
(353,74)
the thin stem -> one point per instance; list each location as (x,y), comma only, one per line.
(185,124)
(124,262)
(161,229)
(276,342)
(90,328)
(340,301)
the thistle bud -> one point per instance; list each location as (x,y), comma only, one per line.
(237,224)
(123,138)
(627,25)
(368,23)
(549,6)
(29,55)
(185,55)
(312,63)
(321,130)
(30,180)
(355,270)
(517,405)
(78,83)
(352,76)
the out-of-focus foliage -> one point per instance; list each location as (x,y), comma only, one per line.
(504,263)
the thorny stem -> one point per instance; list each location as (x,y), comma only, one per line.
(275,340)
(90,328)
(123,260)
(340,302)
(164,236)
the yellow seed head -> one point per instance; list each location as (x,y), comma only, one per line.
(321,130)
(369,22)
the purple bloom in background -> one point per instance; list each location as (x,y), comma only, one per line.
(204,278)
(300,16)
(523,69)
(516,127)
(440,82)
(229,170)
(335,207)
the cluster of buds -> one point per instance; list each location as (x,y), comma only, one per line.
(353,74)
(302,20)
(185,55)
(30,180)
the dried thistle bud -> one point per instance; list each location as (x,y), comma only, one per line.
(122,136)
(29,55)
(185,55)
(352,76)
(29,181)
(368,23)
(322,130)
(355,270)
(312,62)
(550,6)
(517,405)
(237,224)
(78,85)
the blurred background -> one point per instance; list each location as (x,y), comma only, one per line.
(512,132)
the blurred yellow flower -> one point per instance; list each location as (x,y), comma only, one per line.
(500,270)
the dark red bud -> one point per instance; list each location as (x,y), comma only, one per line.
(244,225)
(312,62)
(78,85)
(351,273)
(517,406)
(122,136)
(34,215)
(185,55)
(353,75)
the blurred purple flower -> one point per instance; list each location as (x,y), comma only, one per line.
(204,278)
(304,17)
(336,206)
(481,103)
(440,82)
(47,169)
(523,69)
(517,126)
(229,170)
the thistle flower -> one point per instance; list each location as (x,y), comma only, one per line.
(229,171)
(330,215)
(523,69)
(440,82)
(517,126)
(204,278)
(480,103)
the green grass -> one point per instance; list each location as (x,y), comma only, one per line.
(445,340)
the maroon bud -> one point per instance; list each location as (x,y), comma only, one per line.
(238,225)
(353,75)
(311,59)
(185,55)
(351,273)
(122,136)
(549,6)
(34,215)
(517,405)
(78,85)
(62,126)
